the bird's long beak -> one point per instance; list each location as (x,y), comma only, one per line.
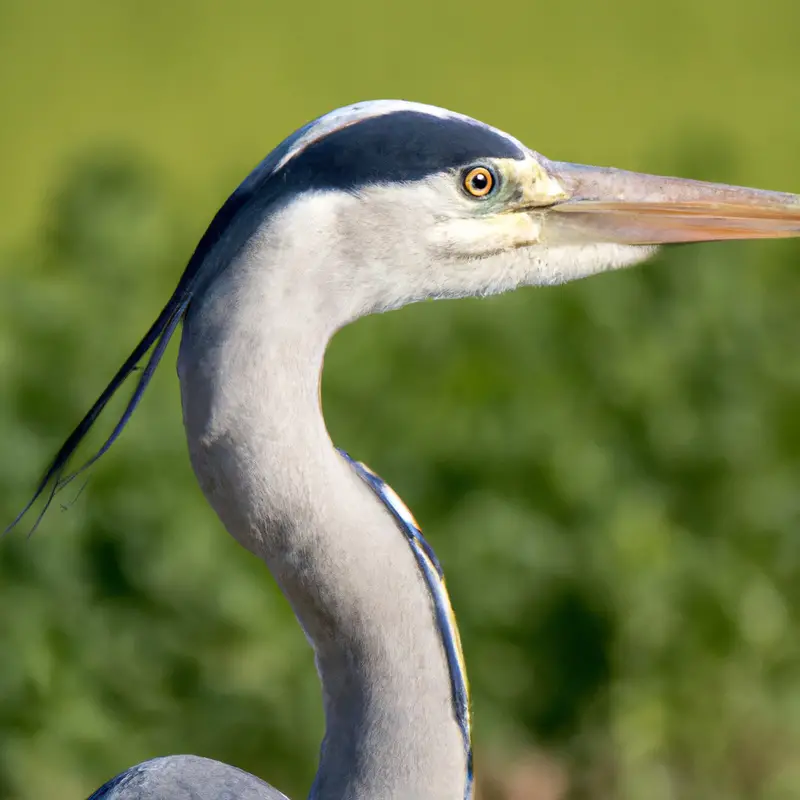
(598,204)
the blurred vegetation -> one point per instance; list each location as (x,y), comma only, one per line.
(608,470)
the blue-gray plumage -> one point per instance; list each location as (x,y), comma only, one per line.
(186,778)
(365,209)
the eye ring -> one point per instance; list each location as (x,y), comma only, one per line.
(479,182)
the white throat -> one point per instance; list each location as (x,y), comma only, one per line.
(249,367)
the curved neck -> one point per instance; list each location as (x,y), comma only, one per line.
(249,370)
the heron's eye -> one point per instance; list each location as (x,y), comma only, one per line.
(479,181)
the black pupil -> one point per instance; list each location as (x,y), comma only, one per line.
(479,182)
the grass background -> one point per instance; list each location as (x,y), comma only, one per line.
(607,470)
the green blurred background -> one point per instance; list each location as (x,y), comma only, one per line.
(609,470)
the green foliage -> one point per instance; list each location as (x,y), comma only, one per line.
(607,470)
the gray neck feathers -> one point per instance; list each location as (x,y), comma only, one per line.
(249,368)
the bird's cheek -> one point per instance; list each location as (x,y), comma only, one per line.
(476,237)
(520,229)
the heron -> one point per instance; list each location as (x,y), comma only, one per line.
(365,209)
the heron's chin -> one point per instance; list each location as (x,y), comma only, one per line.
(571,262)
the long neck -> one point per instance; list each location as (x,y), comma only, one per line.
(249,366)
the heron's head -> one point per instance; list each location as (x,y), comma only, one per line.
(388,202)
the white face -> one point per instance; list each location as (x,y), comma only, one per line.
(384,246)
(494,224)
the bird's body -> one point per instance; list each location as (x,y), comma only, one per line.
(185,778)
(366,209)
